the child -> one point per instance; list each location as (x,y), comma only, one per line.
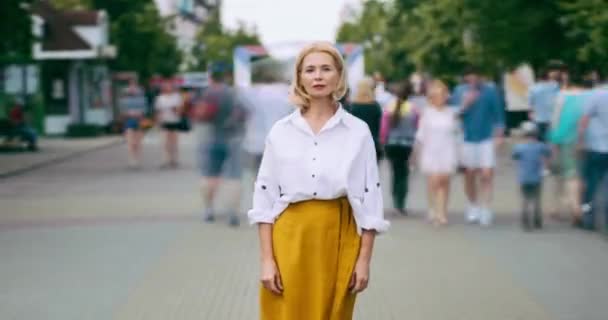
(531,155)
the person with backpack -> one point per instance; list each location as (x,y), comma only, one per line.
(220,125)
(397,134)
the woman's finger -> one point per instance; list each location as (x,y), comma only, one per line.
(360,285)
(272,287)
(353,279)
(278,282)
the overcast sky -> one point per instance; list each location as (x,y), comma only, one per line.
(280,21)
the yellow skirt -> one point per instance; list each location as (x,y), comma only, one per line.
(316,246)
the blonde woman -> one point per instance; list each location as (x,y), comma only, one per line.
(436,149)
(365,107)
(317,199)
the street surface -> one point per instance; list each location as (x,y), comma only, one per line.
(89,239)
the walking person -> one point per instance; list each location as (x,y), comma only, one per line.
(436,149)
(220,125)
(594,130)
(566,158)
(365,107)
(483,126)
(398,133)
(542,99)
(133,106)
(317,199)
(531,155)
(266,103)
(168,105)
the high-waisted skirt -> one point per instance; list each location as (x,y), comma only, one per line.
(316,246)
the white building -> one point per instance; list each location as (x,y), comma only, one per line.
(184,18)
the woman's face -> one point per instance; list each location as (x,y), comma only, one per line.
(319,75)
(438,96)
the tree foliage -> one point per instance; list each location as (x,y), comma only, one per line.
(15,31)
(217,43)
(441,36)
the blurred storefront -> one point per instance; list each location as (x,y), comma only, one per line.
(76,82)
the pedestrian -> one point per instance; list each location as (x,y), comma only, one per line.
(593,130)
(168,105)
(542,98)
(530,155)
(133,106)
(317,198)
(383,96)
(220,126)
(483,126)
(19,126)
(436,149)
(365,107)
(397,134)
(563,137)
(266,102)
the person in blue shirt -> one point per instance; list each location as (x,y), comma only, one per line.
(593,131)
(542,99)
(483,125)
(530,156)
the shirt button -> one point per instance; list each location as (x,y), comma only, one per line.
(313,159)
(313,176)
(316,144)
(314,194)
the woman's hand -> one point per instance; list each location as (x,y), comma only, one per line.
(271,278)
(360,276)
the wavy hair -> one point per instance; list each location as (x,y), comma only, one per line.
(298,95)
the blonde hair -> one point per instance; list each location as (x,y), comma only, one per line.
(437,87)
(365,91)
(298,94)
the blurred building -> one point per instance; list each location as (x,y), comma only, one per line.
(74,44)
(184,19)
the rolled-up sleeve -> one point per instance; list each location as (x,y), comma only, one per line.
(266,189)
(372,217)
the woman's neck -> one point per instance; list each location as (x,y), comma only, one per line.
(321,109)
(438,106)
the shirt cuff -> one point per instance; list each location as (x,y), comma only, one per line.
(374,223)
(259,216)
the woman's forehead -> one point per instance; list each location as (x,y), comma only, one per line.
(318,59)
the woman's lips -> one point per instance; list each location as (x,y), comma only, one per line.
(318,86)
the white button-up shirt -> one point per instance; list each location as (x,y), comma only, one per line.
(299,165)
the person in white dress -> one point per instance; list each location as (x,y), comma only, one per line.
(436,149)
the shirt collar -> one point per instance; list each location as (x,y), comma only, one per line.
(340,117)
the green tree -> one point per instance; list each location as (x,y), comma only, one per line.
(15,30)
(586,28)
(217,43)
(143,44)
(72,4)
(369,27)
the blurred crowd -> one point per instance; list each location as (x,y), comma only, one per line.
(419,123)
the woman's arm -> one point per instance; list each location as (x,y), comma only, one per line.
(360,277)
(270,277)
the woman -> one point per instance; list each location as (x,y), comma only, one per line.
(168,105)
(564,136)
(436,146)
(133,107)
(317,199)
(397,134)
(365,107)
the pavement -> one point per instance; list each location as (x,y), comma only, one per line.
(51,150)
(86,238)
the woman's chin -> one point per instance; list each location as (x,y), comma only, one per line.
(320,96)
